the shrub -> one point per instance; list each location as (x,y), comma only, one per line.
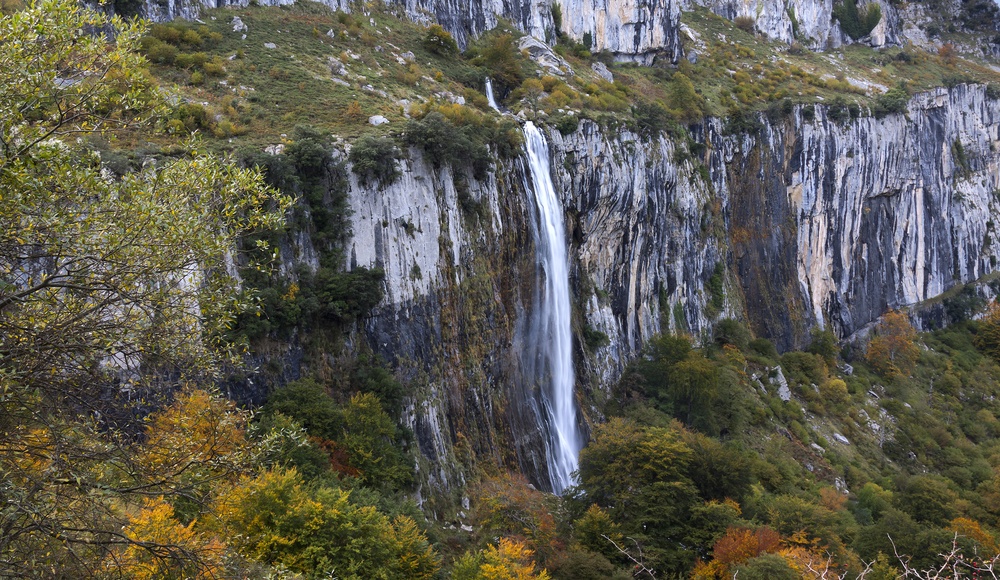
(730,331)
(158,51)
(686,104)
(443,143)
(191,60)
(166,32)
(566,124)
(373,160)
(745,23)
(837,110)
(500,56)
(439,41)
(651,118)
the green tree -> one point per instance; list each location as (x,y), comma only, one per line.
(439,41)
(500,56)
(639,475)
(105,283)
(685,103)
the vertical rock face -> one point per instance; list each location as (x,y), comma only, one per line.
(460,286)
(809,22)
(818,223)
(634,30)
(895,211)
(882,213)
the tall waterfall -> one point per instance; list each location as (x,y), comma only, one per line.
(550,331)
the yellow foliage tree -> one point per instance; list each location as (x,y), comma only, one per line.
(507,560)
(276,519)
(161,547)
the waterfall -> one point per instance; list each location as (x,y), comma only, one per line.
(550,333)
(489,95)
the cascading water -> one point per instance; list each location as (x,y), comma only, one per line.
(550,340)
(489,95)
(550,332)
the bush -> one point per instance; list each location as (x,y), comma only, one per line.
(566,124)
(158,51)
(764,347)
(730,331)
(444,143)
(745,23)
(373,160)
(891,101)
(499,55)
(686,104)
(651,118)
(439,41)
(837,110)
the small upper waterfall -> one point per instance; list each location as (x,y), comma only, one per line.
(550,331)
(489,95)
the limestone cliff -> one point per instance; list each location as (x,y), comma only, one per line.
(817,223)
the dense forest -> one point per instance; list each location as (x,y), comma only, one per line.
(150,426)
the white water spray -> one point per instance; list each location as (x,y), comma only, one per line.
(489,95)
(551,332)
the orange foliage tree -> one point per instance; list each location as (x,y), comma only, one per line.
(507,506)
(893,351)
(162,547)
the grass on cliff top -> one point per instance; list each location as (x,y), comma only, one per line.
(735,68)
(264,92)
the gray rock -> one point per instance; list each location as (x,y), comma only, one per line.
(778,380)
(377,120)
(841,439)
(238,25)
(543,55)
(270,45)
(602,71)
(408,56)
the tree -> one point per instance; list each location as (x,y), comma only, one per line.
(686,104)
(277,519)
(439,41)
(507,560)
(639,475)
(893,351)
(508,506)
(987,337)
(108,286)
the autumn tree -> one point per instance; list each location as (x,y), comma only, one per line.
(278,519)
(893,351)
(987,337)
(508,506)
(107,285)
(506,560)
